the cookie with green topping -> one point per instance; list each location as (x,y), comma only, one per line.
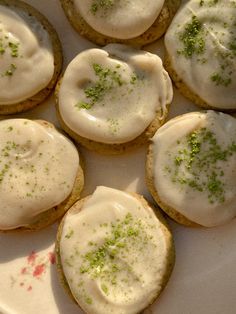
(137,22)
(114,252)
(40,175)
(30,56)
(201,53)
(113,100)
(191,168)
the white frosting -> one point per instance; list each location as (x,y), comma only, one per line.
(32,66)
(132,97)
(214,203)
(131,252)
(38,167)
(122,19)
(211,72)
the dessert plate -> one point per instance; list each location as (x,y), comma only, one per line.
(204,277)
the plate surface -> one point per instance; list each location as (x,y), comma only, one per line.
(204,277)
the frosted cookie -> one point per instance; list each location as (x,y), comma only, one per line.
(136,22)
(201,53)
(30,57)
(113,99)
(40,174)
(114,255)
(191,168)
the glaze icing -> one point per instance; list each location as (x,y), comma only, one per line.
(38,167)
(201,46)
(117,94)
(120,19)
(194,166)
(24,43)
(114,253)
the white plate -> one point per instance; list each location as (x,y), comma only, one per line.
(204,277)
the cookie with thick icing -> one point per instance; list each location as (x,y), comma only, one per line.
(201,53)
(136,22)
(191,168)
(113,99)
(40,174)
(114,254)
(30,57)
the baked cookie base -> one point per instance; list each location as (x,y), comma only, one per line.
(58,60)
(50,216)
(166,230)
(157,29)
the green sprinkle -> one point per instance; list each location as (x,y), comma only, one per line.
(115,268)
(132,232)
(113,125)
(3,172)
(103,5)
(219,80)
(107,80)
(5,45)
(192,39)
(69,234)
(104,288)
(83,105)
(208,3)
(10,128)
(14,49)
(128,218)
(2,49)
(201,154)
(88,300)
(215,187)
(178,160)
(94,8)
(101,260)
(133,79)
(10,71)
(83,270)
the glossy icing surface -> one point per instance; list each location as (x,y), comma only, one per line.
(201,46)
(120,19)
(114,253)
(117,94)
(38,167)
(24,43)
(194,166)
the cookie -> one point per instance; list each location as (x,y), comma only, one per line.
(111,21)
(113,253)
(30,55)
(114,99)
(40,175)
(201,53)
(191,168)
